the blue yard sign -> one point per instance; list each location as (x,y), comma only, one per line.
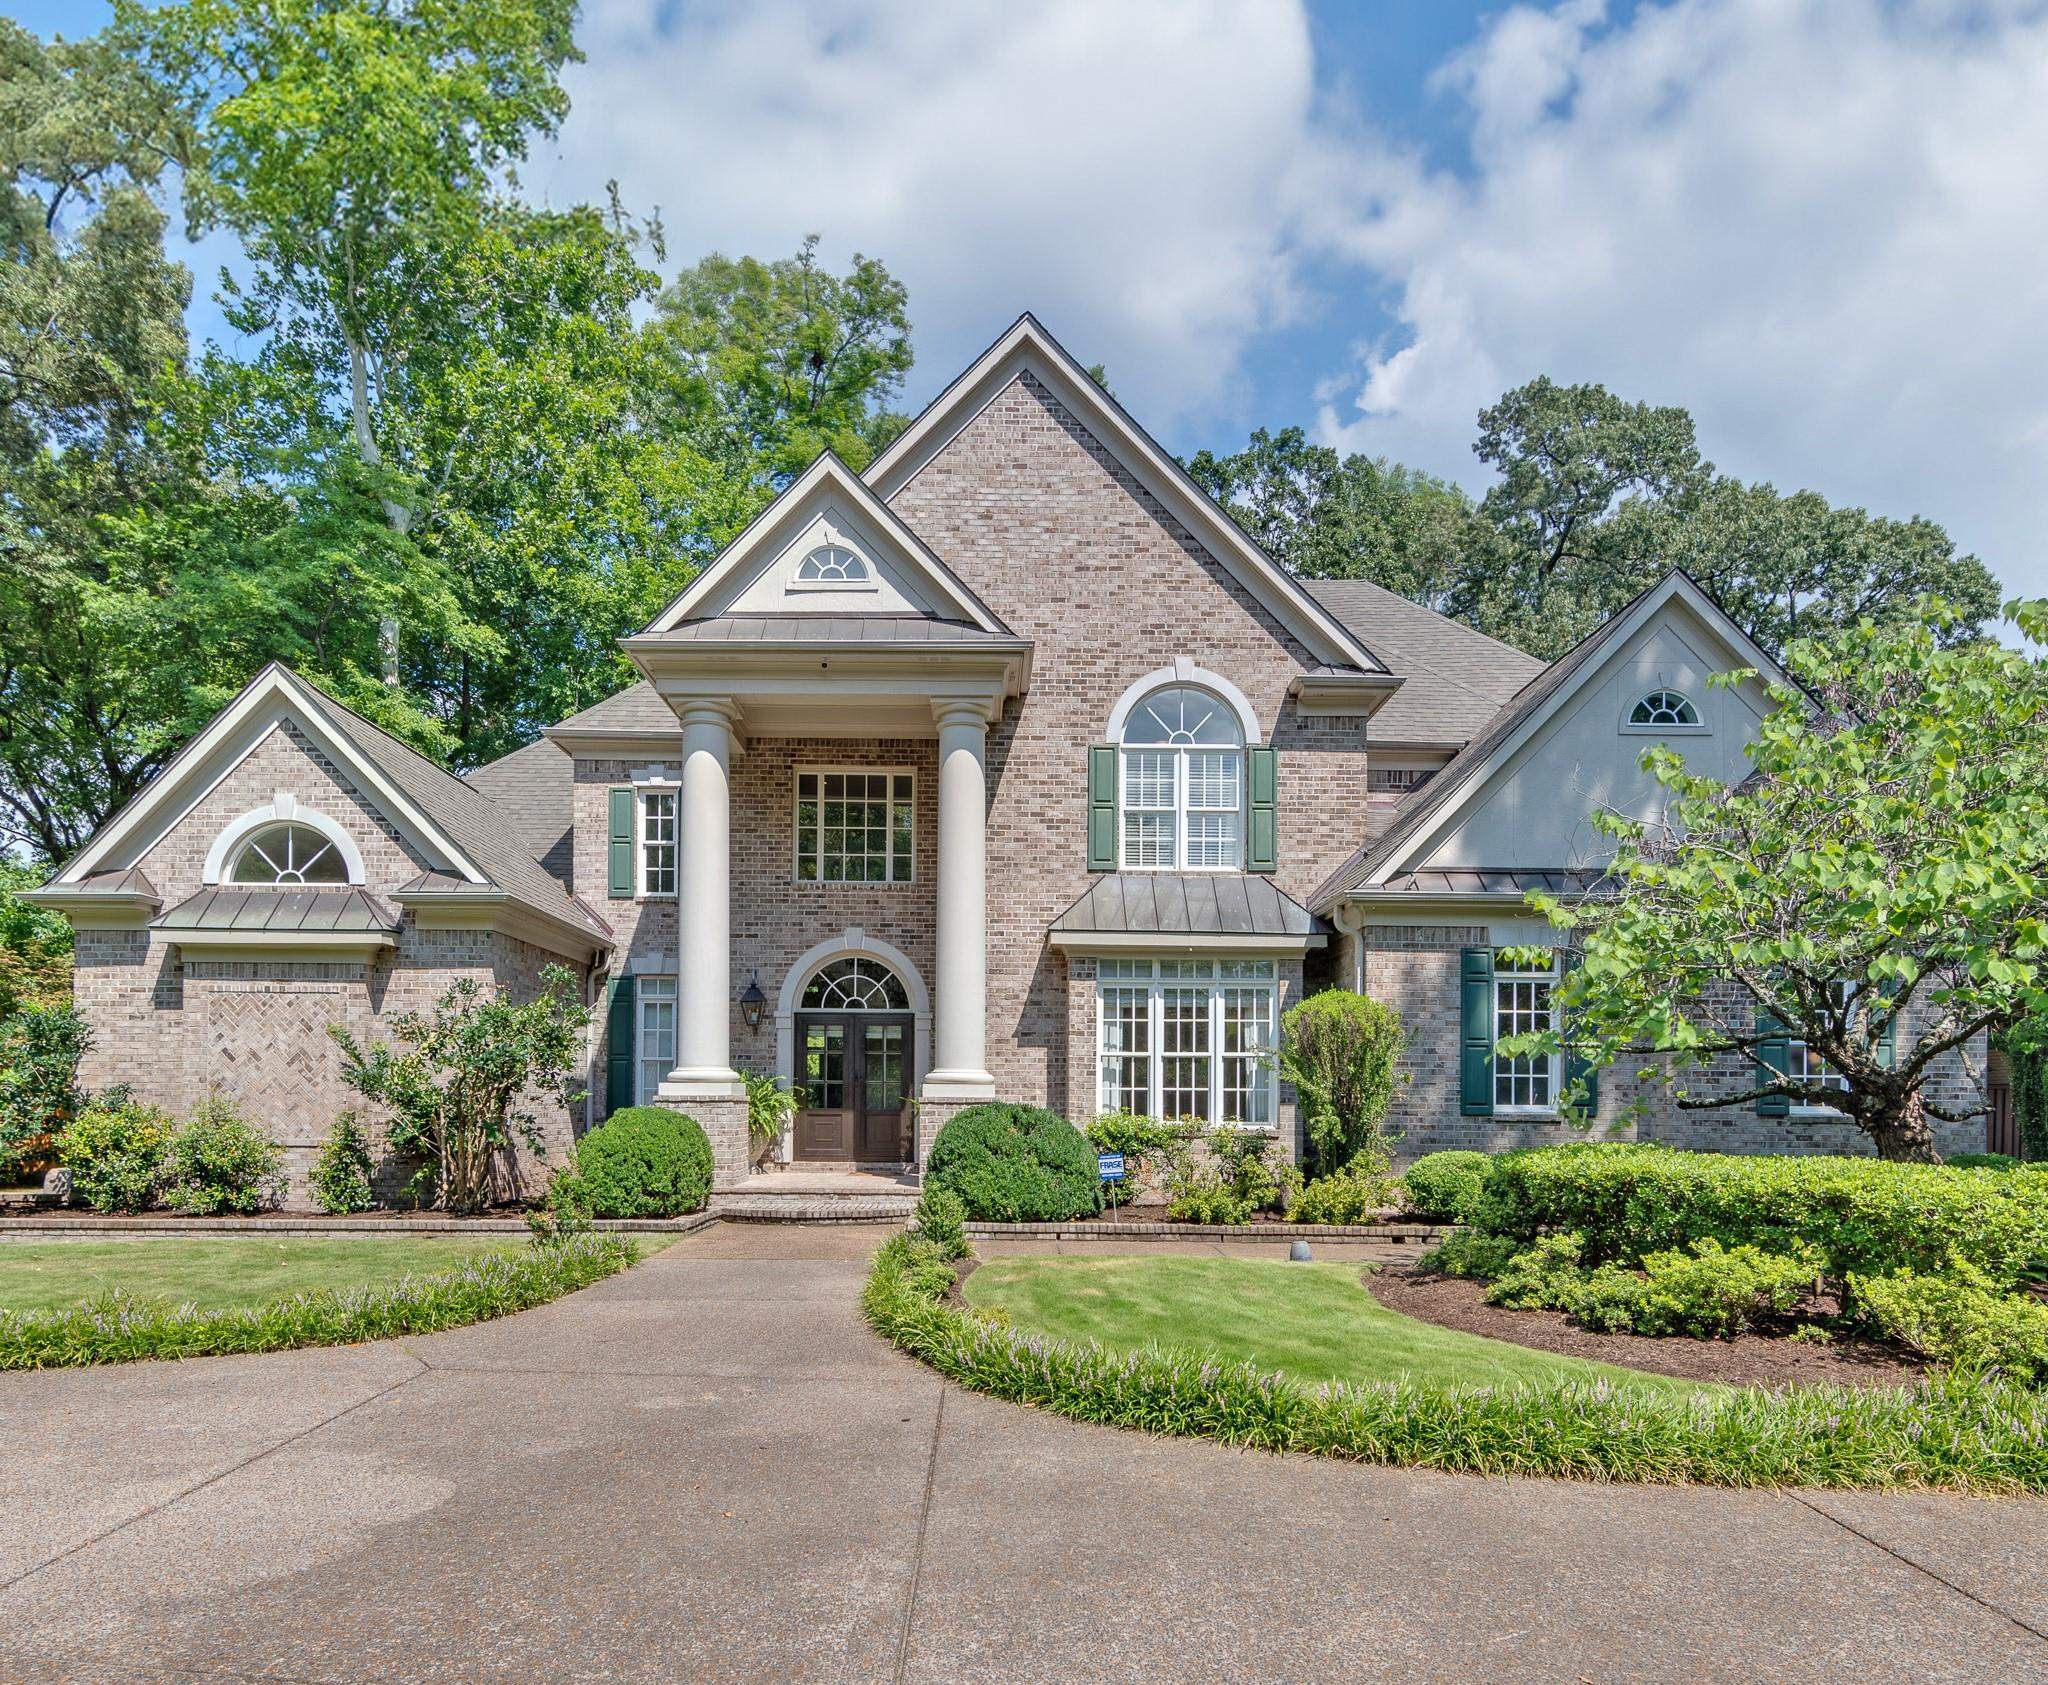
(1110,1166)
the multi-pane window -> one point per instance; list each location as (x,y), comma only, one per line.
(855,827)
(1664,707)
(1183,783)
(291,855)
(831,564)
(1187,1038)
(1802,1064)
(1523,1004)
(657,842)
(655,1042)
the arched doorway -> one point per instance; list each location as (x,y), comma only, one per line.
(856,1033)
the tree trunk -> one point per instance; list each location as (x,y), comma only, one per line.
(1905,1137)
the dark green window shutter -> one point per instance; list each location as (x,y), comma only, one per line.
(620,857)
(1264,853)
(1475,1066)
(1102,807)
(1774,1053)
(1579,1072)
(618,1036)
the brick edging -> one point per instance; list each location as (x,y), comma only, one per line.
(351,1226)
(1398,1234)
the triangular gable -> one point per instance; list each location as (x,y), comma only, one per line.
(1468,779)
(273,696)
(1027,346)
(828,505)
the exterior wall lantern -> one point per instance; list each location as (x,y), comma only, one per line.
(752,1004)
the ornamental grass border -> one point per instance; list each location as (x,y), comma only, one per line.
(1953,1433)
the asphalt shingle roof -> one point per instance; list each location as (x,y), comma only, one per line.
(534,788)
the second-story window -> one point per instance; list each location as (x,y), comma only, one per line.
(1183,783)
(855,827)
(657,842)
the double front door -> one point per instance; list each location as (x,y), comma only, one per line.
(854,1069)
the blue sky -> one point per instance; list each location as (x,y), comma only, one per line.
(1816,223)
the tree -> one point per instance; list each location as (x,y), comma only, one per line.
(1330,517)
(35,945)
(1876,888)
(455,1091)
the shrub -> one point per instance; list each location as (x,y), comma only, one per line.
(39,1094)
(771,1107)
(1015,1164)
(1960,1318)
(941,1220)
(1446,1185)
(343,1167)
(1864,1216)
(1708,1293)
(115,1150)
(643,1161)
(1234,1182)
(217,1163)
(1338,1049)
(1474,1256)
(1350,1195)
(1541,1277)
(1982,1161)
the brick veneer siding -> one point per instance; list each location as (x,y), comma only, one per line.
(171,1027)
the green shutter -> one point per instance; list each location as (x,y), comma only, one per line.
(1475,1066)
(620,856)
(618,1062)
(1579,1072)
(1102,807)
(1264,853)
(1774,1053)
(1888,1042)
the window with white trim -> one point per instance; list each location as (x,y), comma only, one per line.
(654,1000)
(1802,1064)
(1187,1038)
(855,826)
(1524,1003)
(657,842)
(289,855)
(1183,783)
(1664,707)
(832,564)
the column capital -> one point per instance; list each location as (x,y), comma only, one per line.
(961,711)
(706,710)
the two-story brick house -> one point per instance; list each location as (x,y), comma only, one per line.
(1010,767)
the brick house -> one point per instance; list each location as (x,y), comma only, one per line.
(1008,768)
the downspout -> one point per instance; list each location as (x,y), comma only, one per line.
(1350,918)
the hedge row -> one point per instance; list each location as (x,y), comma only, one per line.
(120,1328)
(1865,1216)
(1951,1433)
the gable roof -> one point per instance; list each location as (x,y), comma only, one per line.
(1026,345)
(812,490)
(1454,679)
(534,788)
(1466,772)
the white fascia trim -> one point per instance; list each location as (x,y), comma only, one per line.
(1185,672)
(1026,344)
(1674,587)
(273,689)
(281,808)
(1178,942)
(493,909)
(827,473)
(96,909)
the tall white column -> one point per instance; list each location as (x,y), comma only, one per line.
(704,909)
(960,1009)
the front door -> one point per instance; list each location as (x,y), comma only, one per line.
(854,1069)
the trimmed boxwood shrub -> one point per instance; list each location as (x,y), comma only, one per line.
(1015,1164)
(1446,1185)
(644,1161)
(1864,1216)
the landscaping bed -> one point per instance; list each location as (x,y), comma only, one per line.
(1760,1360)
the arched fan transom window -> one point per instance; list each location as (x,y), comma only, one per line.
(832,564)
(1183,782)
(290,855)
(856,984)
(1664,708)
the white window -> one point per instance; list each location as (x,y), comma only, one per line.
(289,855)
(1802,1064)
(1664,708)
(1523,1004)
(657,842)
(832,564)
(1183,783)
(856,984)
(1187,1038)
(857,826)
(655,1034)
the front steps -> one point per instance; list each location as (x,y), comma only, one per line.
(807,1194)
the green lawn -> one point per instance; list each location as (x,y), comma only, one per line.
(219,1271)
(1312,1321)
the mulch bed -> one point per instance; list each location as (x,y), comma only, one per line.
(1749,1360)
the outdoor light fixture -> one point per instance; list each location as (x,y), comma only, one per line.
(753,1003)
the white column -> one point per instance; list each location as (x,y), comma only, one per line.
(704,909)
(960,1009)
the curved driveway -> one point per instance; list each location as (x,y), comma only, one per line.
(709,1468)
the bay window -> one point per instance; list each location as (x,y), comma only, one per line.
(1187,1038)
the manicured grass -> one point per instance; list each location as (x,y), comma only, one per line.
(1314,1322)
(221,1272)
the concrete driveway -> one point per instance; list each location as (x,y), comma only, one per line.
(708,1468)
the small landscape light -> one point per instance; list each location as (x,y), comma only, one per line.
(1298,1252)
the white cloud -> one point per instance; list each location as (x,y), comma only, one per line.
(1128,171)
(1819,224)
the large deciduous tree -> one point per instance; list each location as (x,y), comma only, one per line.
(1875,889)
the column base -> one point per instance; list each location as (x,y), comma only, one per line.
(957,1085)
(711,1083)
(723,1118)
